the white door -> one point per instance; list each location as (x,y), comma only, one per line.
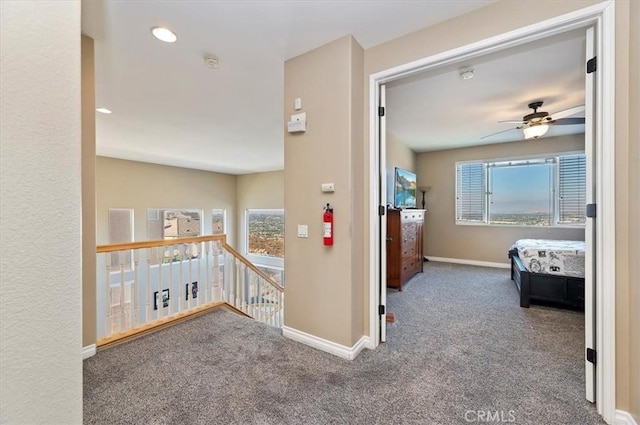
(590,228)
(382,190)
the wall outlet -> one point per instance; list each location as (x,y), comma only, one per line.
(303,231)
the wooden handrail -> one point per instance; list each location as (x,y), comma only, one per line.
(161,242)
(253,267)
(196,239)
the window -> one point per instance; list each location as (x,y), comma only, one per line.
(174,224)
(265,241)
(120,231)
(218,222)
(547,191)
(265,233)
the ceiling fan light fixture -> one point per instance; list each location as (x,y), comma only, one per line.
(535,131)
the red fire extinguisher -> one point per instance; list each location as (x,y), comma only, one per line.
(327,225)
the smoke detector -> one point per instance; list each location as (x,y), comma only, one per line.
(212,62)
(467,74)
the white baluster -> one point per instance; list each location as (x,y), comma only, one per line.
(239,285)
(217,293)
(159,301)
(171,287)
(121,256)
(181,301)
(252,293)
(149,311)
(205,247)
(108,319)
(135,314)
(191,300)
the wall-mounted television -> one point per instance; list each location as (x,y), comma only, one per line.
(404,192)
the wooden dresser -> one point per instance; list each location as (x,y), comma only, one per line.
(404,245)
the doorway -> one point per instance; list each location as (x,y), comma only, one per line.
(602,321)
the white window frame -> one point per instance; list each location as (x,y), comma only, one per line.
(487,164)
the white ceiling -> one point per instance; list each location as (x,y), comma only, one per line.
(169,108)
(438,110)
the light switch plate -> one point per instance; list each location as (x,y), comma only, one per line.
(303,231)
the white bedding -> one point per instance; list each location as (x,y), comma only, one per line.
(565,258)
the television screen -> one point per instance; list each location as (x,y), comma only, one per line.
(404,193)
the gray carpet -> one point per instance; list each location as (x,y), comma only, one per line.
(461,349)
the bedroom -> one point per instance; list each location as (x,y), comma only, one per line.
(439,120)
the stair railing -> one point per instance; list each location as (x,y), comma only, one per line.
(143,285)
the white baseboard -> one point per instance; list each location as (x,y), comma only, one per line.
(88,351)
(327,346)
(471,262)
(624,418)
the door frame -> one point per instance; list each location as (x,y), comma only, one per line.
(602,17)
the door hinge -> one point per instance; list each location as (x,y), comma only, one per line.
(591,356)
(591,211)
(592,65)
(381,111)
(380,309)
(381,210)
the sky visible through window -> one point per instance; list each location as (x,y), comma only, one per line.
(509,184)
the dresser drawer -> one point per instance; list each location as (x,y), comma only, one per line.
(408,251)
(409,215)
(408,268)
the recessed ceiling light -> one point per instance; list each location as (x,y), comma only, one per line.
(103,110)
(164,34)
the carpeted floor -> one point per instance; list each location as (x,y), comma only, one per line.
(461,351)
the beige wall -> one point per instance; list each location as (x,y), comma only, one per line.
(443,238)
(501,17)
(40,217)
(257,191)
(398,155)
(634,213)
(357,193)
(88,194)
(138,185)
(320,286)
(627,205)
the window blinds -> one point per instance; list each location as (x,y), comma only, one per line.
(470,192)
(572,193)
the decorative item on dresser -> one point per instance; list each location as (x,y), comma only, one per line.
(404,245)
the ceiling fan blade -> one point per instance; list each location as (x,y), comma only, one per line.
(565,113)
(512,122)
(499,132)
(567,121)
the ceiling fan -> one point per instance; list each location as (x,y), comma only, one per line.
(537,123)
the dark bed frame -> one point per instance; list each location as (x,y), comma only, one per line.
(546,288)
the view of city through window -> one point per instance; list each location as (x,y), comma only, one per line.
(510,203)
(265,230)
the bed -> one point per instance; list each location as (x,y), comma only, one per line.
(549,271)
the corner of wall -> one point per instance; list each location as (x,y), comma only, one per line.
(88,149)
